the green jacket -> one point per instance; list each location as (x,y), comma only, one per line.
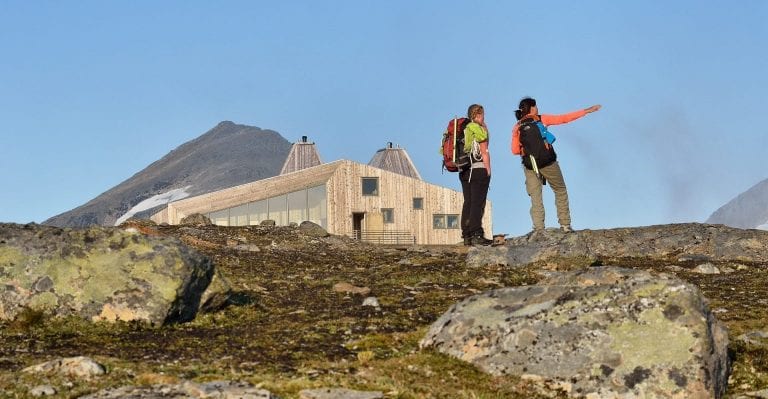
(474,132)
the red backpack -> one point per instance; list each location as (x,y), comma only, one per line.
(454,157)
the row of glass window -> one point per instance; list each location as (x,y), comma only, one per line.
(310,204)
(295,207)
(439,221)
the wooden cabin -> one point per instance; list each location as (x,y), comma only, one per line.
(385,201)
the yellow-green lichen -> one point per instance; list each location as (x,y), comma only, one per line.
(44,301)
(653,340)
(651,290)
(100,273)
(12,265)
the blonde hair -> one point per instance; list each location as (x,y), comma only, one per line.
(474,110)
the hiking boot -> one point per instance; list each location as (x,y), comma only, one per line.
(535,233)
(467,241)
(480,240)
(566,228)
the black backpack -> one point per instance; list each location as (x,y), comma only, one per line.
(530,131)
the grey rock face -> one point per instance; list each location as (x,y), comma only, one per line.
(100,274)
(606,331)
(714,242)
(225,156)
(746,211)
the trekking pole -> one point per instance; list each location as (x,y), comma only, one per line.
(536,169)
(455,128)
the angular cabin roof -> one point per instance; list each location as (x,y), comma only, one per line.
(395,159)
(303,155)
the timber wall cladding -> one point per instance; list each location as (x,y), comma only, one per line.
(303,155)
(396,191)
(343,181)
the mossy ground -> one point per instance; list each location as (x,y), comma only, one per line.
(288,330)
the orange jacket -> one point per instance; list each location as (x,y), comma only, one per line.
(547,120)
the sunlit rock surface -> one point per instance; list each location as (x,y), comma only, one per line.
(604,331)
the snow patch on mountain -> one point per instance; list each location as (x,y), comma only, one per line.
(157,200)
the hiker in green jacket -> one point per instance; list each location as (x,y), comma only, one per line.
(476,179)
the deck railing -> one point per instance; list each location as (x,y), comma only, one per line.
(385,236)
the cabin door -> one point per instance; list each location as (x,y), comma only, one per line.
(357,223)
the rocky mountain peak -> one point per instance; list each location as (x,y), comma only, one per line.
(227,155)
(747,210)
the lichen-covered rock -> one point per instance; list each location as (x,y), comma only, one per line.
(685,241)
(605,331)
(79,366)
(42,390)
(339,393)
(217,294)
(100,274)
(186,390)
(313,229)
(196,219)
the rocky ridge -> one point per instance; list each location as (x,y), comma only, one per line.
(692,241)
(313,312)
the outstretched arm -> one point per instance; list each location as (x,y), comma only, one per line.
(548,120)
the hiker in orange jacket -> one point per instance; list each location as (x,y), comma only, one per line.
(539,172)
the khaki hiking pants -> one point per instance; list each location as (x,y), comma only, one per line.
(555,180)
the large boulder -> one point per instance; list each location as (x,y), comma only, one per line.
(195,219)
(600,332)
(313,229)
(100,274)
(702,241)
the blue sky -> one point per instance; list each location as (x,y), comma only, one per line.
(92,92)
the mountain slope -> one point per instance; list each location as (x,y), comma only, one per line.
(749,210)
(225,156)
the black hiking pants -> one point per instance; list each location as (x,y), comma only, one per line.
(474,186)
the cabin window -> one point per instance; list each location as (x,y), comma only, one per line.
(452,221)
(220,218)
(238,215)
(389,215)
(258,211)
(278,209)
(418,203)
(443,221)
(297,206)
(370,186)
(317,205)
